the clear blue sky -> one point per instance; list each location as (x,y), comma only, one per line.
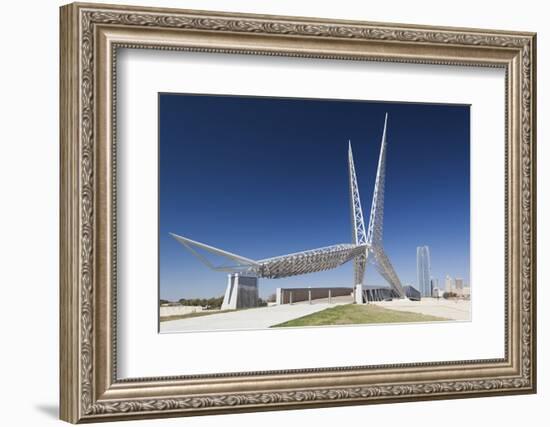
(262,177)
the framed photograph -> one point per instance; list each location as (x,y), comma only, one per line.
(266,212)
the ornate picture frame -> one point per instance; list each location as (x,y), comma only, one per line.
(90,37)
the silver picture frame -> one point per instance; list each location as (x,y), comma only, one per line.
(90,37)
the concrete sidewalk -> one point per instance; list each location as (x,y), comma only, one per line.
(252,318)
(449,309)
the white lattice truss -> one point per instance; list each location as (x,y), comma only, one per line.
(366,244)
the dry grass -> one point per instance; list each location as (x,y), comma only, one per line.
(189,315)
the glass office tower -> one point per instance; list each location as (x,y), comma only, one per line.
(423,271)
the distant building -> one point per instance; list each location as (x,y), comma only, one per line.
(412,293)
(434,285)
(448,284)
(437,293)
(459,285)
(423,270)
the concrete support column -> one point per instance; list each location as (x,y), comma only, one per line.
(241,292)
(228,291)
(278,296)
(235,293)
(359,294)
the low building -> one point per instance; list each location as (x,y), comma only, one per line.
(438,292)
(464,292)
(434,284)
(292,295)
(412,293)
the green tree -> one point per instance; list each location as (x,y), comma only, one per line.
(448,295)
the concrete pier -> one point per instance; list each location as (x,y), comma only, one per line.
(241,292)
(359,294)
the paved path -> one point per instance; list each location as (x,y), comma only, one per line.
(449,309)
(252,318)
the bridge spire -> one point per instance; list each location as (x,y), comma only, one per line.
(359,235)
(376,223)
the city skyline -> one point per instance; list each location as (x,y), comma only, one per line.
(426,283)
(263,137)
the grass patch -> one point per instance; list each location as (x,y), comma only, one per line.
(351,314)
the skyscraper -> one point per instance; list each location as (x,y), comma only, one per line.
(448,284)
(423,270)
(459,285)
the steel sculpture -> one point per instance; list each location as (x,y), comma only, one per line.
(366,246)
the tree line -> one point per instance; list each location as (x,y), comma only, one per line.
(211,303)
(215,302)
